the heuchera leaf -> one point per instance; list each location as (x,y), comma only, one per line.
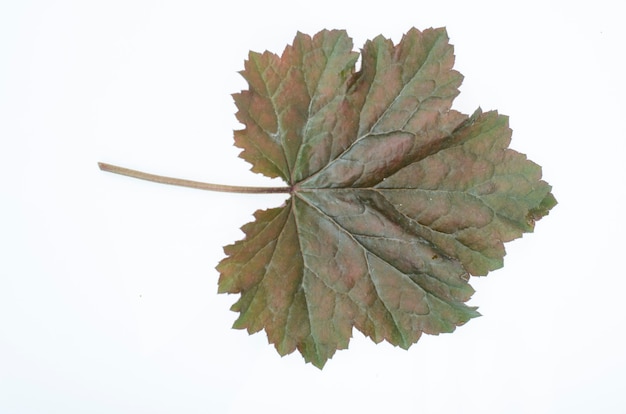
(396,199)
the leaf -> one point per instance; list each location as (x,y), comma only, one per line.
(395,198)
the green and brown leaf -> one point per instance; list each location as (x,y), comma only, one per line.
(396,199)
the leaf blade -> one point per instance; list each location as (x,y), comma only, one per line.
(396,199)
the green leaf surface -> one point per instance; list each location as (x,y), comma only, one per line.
(396,199)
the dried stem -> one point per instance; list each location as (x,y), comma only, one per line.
(191,184)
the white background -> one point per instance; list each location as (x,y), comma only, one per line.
(108,292)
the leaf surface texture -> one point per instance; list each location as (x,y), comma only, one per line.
(396,199)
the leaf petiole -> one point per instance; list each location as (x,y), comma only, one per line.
(189,183)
